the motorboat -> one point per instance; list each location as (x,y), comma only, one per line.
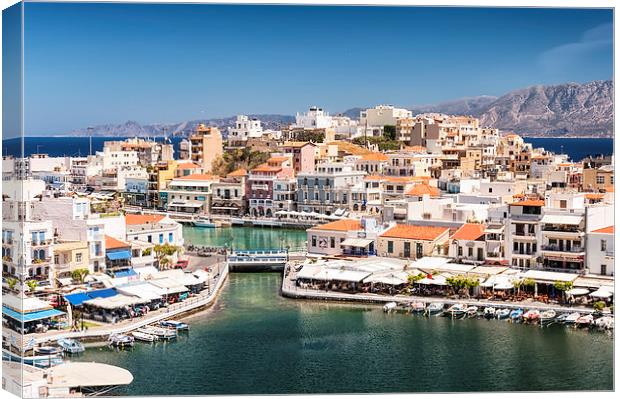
(489,312)
(572,318)
(561,318)
(434,307)
(161,333)
(388,307)
(144,337)
(121,340)
(516,314)
(418,307)
(176,325)
(547,316)
(605,322)
(48,350)
(69,345)
(472,311)
(531,315)
(502,313)
(42,361)
(584,321)
(203,221)
(457,310)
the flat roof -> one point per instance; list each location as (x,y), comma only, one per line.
(88,374)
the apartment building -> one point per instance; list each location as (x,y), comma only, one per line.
(383,115)
(303,153)
(523,233)
(229,194)
(189,194)
(600,251)
(468,244)
(598,179)
(205,146)
(70,256)
(260,184)
(243,129)
(412,241)
(348,237)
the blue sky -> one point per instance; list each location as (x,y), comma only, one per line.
(89,64)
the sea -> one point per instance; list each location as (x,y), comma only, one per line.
(576,148)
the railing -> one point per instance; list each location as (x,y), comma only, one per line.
(556,248)
(561,229)
(359,253)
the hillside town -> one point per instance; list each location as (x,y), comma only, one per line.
(387,200)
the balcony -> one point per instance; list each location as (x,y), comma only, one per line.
(556,248)
(41,243)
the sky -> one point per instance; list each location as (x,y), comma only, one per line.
(91,64)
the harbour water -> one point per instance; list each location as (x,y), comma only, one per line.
(255,341)
(246,237)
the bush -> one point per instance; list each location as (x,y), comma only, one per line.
(599,306)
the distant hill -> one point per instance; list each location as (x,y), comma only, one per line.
(569,109)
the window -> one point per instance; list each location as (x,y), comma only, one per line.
(603,270)
(314,241)
(149,238)
(460,250)
(563,204)
(78,257)
(332,242)
(170,237)
(603,245)
(390,247)
(600,179)
(470,252)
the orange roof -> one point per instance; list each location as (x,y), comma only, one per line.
(469,231)
(427,233)
(188,165)
(266,168)
(113,243)
(374,156)
(423,189)
(606,230)
(296,143)
(200,176)
(238,172)
(142,219)
(415,148)
(278,159)
(609,189)
(566,164)
(595,195)
(341,225)
(529,203)
(374,177)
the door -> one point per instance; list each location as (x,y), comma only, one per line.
(480,255)
(407,250)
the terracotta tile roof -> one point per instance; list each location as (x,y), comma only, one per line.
(188,165)
(142,219)
(411,232)
(200,176)
(529,202)
(423,189)
(566,164)
(266,168)
(512,135)
(416,148)
(595,196)
(278,159)
(374,177)
(607,230)
(609,189)
(350,148)
(374,156)
(238,172)
(341,225)
(113,243)
(297,143)
(469,231)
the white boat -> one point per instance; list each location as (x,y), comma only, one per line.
(48,350)
(456,310)
(203,221)
(605,322)
(547,316)
(502,313)
(472,311)
(161,333)
(584,321)
(572,318)
(42,361)
(434,308)
(121,340)
(489,312)
(176,325)
(531,315)
(69,345)
(140,336)
(418,307)
(388,307)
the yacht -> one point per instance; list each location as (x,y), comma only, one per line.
(173,324)
(204,221)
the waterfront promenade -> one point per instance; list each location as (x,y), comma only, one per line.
(290,290)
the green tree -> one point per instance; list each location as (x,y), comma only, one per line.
(389,132)
(162,252)
(599,306)
(412,279)
(79,275)
(11,282)
(563,286)
(32,285)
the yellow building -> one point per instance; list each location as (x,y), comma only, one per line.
(412,242)
(600,179)
(70,256)
(206,146)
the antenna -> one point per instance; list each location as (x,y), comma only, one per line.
(90,140)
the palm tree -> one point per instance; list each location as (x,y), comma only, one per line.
(11,282)
(79,275)
(164,263)
(32,285)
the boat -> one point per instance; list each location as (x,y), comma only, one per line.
(572,318)
(434,308)
(502,313)
(173,324)
(472,311)
(121,340)
(457,310)
(531,315)
(203,221)
(418,307)
(547,316)
(584,321)
(144,337)
(605,322)
(48,350)
(489,312)
(69,345)
(388,307)
(516,314)
(42,361)
(161,333)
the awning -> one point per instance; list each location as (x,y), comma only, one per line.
(65,281)
(169,285)
(577,291)
(126,254)
(186,204)
(114,302)
(549,277)
(389,278)
(562,219)
(356,242)
(602,292)
(32,316)
(125,273)
(143,291)
(327,274)
(79,298)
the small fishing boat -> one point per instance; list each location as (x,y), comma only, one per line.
(531,316)
(502,313)
(516,314)
(547,316)
(176,325)
(472,311)
(161,333)
(69,345)
(584,321)
(418,307)
(48,350)
(121,340)
(203,221)
(457,310)
(434,308)
(489,312)
(605,322)
(572,318)
(144,337)
(389,307)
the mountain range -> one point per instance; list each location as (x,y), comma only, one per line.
(570,109)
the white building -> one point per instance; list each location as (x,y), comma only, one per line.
(245,128)
(600,251)
(315,118)
(383,115)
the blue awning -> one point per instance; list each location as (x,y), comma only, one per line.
(79,298)
(118,255)
(24,318)
(125,273)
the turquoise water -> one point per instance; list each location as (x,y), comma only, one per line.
(246,237)
(255,341)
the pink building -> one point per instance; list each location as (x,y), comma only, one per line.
(303,154)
